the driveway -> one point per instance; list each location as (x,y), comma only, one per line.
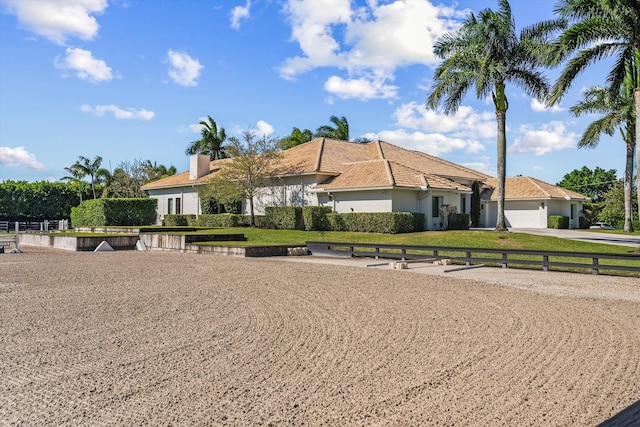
(585,236)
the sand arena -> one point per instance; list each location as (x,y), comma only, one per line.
(129,338)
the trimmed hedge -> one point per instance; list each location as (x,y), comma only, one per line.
(222,220)
(557,221)
(376,222)
(284,217)
(458,221)
(114,212)
(315,218)
(178,220)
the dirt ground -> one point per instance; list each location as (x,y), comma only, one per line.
(130,338)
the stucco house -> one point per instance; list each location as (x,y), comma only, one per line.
(376,177)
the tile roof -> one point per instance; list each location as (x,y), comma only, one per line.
(379,164)
(525,187)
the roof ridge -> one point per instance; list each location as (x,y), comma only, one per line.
(319,159)
(380,152)
(535,182)
(387,165)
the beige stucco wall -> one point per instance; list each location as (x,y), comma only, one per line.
(530,214)
(285,191)
(189,201)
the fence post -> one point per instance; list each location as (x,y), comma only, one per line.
(16,250)
(468,261)
(545,263)
(594,269)
(504,260)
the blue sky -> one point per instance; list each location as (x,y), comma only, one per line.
(130,79)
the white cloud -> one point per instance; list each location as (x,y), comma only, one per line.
(57,20)
(466,122)
(365,41)
(85,66)
(263,128)
(18,156)
(184,70)
(238,13)
(360,88)
(435,144)
(550,137)
(118,113)
(540,107)
(481,166)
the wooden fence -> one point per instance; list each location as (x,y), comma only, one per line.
(591,261)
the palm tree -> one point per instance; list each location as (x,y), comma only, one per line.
(211,141)
(91,168)
(297,137)
(618,113)
(340,131)
(75,176)
(601,29)
(487,53)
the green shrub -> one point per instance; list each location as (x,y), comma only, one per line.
(222,220)
(458,221)
(336,222)
(584,223)
(115,212)
(315,217)
(261,221)
(557,221)
(418,221)
(619,224)
(89,213)
(284,217)
(178,220)
(376,222)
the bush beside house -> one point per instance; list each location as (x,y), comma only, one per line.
(558,222)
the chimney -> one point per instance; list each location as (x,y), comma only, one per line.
(198,165)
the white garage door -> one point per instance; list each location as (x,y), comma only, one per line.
(524,215)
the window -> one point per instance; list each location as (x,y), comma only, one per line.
(573,210)
(178,207)
(170,206)
(464,204)
(435,206)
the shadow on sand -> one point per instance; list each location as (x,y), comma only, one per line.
(628,417)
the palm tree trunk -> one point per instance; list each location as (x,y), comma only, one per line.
(502,166)
(628,190)
(636,98)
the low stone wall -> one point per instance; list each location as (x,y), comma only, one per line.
(154,241)
(72,243)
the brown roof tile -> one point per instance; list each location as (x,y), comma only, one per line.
(379,164)
(368,174)
(525,187)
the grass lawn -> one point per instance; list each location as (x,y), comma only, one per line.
(461,239)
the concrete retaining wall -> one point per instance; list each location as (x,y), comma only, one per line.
(71,243)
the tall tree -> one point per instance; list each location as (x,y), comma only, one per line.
(75,176)
(253,163)
(210,142)
(340,130)
(601,29)
(592,183)
(296,137)
(617,112)
(90,168)
(486,52)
